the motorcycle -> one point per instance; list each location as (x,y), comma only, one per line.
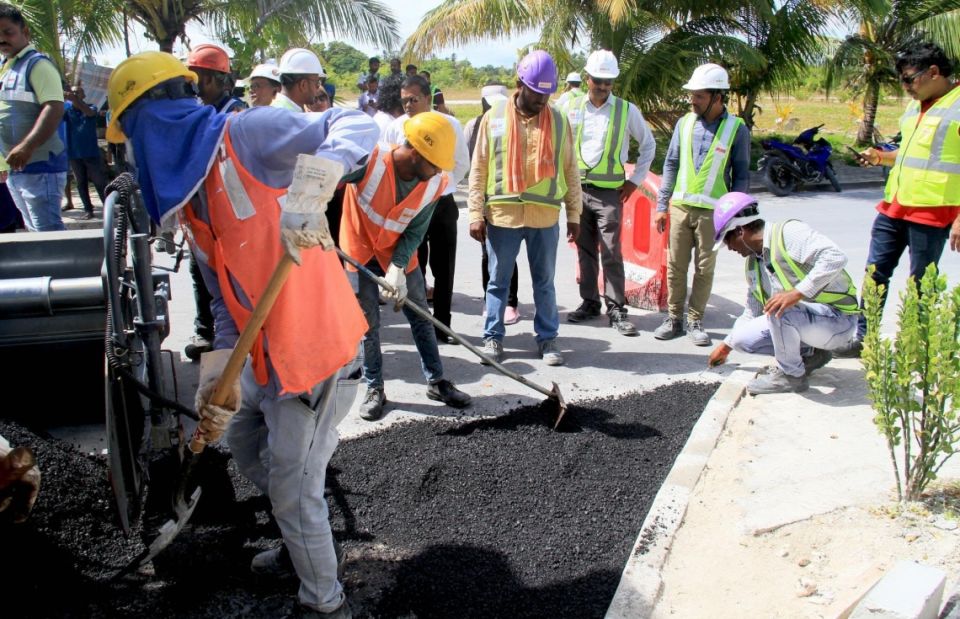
(805,161)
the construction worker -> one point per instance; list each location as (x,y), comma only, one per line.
(212,66)
(264,84)
(801,303)
(524,170)
(300,74)
(439,245)
(571,90)
(709,155)
(19,481)
(264,177)
(387,210)
(603,125)
(920,209)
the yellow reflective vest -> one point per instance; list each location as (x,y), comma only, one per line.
(702,188)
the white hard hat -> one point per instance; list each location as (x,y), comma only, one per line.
(493,93)
(708,77)
(603,64)
(267,71)
(300,61)
(573,77)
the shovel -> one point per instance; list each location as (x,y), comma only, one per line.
(554,397)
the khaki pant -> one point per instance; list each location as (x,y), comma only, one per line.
(691,230)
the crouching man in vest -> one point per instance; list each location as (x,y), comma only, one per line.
(801,303)
(387,210)
(227,176)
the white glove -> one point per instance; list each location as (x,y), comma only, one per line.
(303,216)
(398,280)
(214,419)
(19,480)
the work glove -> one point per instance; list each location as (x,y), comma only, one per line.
(303,216)
(19,481)
(213,418)
(398,280)
(719,355)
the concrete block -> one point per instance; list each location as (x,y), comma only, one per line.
(908,591)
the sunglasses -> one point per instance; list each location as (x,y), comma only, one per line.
(601,82)
(409,101)
(906,80)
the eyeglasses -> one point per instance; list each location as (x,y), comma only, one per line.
(409,101)
(601,82)
(906,80)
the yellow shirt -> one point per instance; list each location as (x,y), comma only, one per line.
(524,215)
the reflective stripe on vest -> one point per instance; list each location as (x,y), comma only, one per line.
(927,169)
(23,109)
(703,187)
(608,173)
(549,191)
(789,274)
(373,221)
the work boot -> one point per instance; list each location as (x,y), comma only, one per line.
(620,322)
(587,310)
(371,408)
(550,352)
(445,391)
(341,612)
(850,350)
(696,333)
(510,315)
(671,328)
(775,381)
(493,349)
(197,346)
(816,360)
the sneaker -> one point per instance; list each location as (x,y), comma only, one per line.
(550,353)
(274,562)
(850,350)
(492,348)
(816,360)
(696,333)
(671,328)
(445,391)
(511,316)
(620,322)
(775,381)
(197,346)
(341,612)
(371,408)
(587,311)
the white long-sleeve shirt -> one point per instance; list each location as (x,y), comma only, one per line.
(595,123)
(461,156)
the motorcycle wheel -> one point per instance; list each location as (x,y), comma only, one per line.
(777,177)
(832,177)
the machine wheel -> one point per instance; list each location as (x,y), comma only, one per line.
(832,177)
(778,177)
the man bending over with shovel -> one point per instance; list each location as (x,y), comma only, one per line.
(251,189)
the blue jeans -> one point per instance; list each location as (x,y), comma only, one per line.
(424,336)
(888,239)
(503,245)
(38,198)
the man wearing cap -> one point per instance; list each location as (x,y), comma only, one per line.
(212,66)
(523,173)
(264,198)
(603,125)
(439,245)
(300,74)
(264,84)
(387,209)
(801,303)
(571,91)
(709,155)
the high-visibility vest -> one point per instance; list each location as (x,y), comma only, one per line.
(23,109)
(702,188)
(608,173)
(284,102)
(840,293)
(927,170)
(549,191)
(373,221)
(316,324)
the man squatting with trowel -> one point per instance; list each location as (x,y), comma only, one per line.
(248,188)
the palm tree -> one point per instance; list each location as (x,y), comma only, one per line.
(67,29)
(865,60)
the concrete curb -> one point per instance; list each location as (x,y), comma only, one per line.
(640,583)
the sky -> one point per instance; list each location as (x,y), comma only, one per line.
(501,52)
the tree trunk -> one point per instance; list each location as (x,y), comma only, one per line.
(166,43)
(747,108)
(870,100)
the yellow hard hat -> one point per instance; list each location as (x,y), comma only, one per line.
(135,76)
(432,135)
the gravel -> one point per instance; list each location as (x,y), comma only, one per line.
(487,518)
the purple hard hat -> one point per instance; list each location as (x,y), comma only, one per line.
(538,71)
(731,210)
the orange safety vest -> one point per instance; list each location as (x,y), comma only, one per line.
(372,220)
(316,323)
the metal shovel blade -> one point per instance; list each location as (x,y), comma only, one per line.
(561,404)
